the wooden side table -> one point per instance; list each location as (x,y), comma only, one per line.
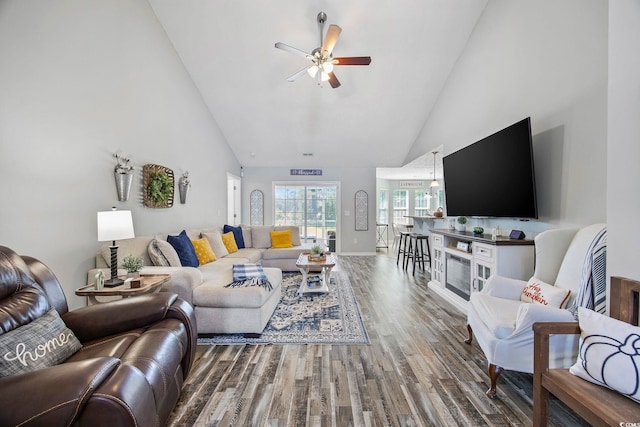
(150,283)
(305,264)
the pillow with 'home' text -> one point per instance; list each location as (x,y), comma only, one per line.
(41,343)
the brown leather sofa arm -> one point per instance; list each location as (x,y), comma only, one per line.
(184,312)
(102,320)
(52,396)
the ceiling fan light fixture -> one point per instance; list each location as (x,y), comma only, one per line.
(324,76)
(312,71)
(327,66)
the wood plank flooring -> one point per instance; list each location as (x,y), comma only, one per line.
(416,372)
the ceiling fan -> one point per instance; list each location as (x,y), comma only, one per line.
(322,60)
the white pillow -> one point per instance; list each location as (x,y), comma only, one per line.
(163,254)
(538,292)
(261,236)
(609,353)
(215,240)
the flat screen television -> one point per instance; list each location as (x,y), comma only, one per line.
(493,177)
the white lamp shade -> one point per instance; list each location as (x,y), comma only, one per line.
(434,183)
(115,225)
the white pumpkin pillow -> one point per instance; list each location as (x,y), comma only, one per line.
(609,353)
(539,292)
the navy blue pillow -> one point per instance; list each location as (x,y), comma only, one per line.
(183,246)
(237,234)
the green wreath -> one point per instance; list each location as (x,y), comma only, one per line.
(160,187)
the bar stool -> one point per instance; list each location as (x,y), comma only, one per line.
(417,254)
(403,247)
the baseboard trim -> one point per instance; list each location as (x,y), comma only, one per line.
(357,254)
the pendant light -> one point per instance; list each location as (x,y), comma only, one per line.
(434,182)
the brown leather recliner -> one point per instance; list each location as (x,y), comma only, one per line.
(135,354)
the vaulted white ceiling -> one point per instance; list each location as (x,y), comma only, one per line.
(371,120)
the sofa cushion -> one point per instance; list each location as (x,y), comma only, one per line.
(246,236)
(295,233)
(203,250)
(215,240)
(498,314)
(230,242)
(212,293)
(250,254)
(237,234)
(162,254)
(286,253)
(136,247)
(261,237)
(281,239)
(182,244)
(41,343)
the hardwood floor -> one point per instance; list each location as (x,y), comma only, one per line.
(417,370)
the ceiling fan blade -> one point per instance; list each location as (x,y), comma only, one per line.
(297,75)
(332,37)
(293,50)
(352,60)
(333,81)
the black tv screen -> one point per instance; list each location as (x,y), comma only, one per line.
(493,177)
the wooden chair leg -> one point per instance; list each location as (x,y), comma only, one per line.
(470,332)
(494,373)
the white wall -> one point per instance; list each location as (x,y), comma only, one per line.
(351,180)
(548,60)
(623,178)
(79,81)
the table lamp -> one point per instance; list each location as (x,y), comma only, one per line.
(114,225)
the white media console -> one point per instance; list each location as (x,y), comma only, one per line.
(461,262)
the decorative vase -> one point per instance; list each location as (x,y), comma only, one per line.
(184,190)
(123,185)
(462,228)
(133,274)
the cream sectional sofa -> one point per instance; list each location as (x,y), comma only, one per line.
(218,310)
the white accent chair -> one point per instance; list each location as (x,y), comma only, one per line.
(502,324)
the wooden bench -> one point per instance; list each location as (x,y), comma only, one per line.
(598,405)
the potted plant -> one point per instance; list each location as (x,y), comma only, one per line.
(132,264)
(317,253)
(478,230)
(462,220)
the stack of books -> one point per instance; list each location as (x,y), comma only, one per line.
(314,281)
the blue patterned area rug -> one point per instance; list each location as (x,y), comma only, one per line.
(331,318)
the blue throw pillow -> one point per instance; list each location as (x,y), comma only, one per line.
(237,234)
(183,246)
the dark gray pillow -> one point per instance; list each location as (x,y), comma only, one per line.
(39,344)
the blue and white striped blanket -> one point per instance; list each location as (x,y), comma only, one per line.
(249,275)
(593,289)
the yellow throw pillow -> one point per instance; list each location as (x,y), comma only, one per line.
(230,242)
(203,250)
(281,239)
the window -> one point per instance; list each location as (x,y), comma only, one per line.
(383,207)
(400,206)
(312,207)
(422,201)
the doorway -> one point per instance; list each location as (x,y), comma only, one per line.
(311,206)
(234,205)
